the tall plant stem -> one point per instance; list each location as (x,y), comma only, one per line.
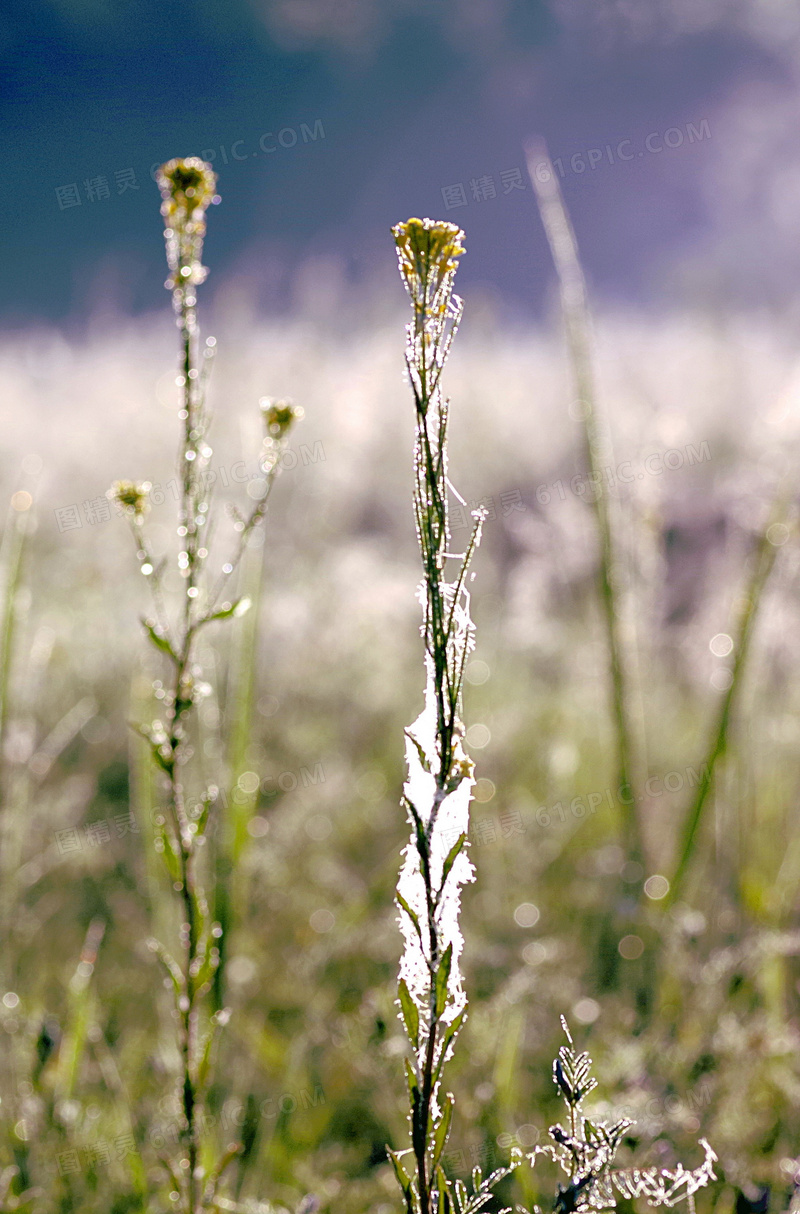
(762,563)
(437,791)
(577,321)
(177,741)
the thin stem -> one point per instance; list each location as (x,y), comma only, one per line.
(253,520)
(189,932)
(563,246)
(14,545)
(763,560)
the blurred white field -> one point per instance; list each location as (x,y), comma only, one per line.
(704,419)
(77,415)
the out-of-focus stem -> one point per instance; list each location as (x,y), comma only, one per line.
(13,544)
(763,560)
(564,249)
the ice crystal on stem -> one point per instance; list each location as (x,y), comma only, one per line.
(437,790)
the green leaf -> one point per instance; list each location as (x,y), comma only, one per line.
(451,858)
(218,1021)
(442,978)
(402,1179)
(413,1086)
(443,1129)
(449,1033)
(413,916)
(414,814)
(161,642)
(445,1204)
(410,1013)
(453,1028)
(167,852)
(233,609)
(166,763)
(169,965)
(423,758)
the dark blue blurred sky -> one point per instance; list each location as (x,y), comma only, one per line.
(411,98)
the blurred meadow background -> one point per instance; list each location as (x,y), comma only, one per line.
(687,998)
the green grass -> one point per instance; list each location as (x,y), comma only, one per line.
(309,1071)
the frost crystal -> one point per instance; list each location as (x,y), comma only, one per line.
(450,822)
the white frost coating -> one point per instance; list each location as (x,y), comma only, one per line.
(452,820)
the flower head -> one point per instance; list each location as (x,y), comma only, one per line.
(428,252)
(279,416)
(132,496)
(187,189)
(186,185)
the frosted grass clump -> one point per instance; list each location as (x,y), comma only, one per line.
(587,1149)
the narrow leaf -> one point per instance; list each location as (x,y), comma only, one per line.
(449,1034)
(169,965)
(410,1013)
(160,642)
(413,916)
(423,758)
(413,1086)
(402,1179)
(442,979)
(451,859)
(443,1129)
(232,609)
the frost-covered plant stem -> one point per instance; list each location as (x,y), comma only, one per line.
(437,791)
(187,188)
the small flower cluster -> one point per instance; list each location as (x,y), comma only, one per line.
(279,416)
(428,252)
(187,189)
(132,496)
